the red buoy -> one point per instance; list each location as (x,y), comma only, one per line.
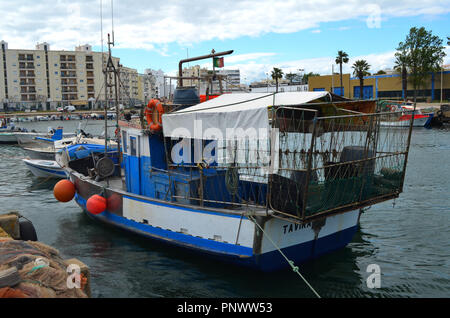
(64,191)
(96,204)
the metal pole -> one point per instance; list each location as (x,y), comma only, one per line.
(442,80)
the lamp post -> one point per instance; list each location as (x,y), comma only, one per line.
(302,77)
(267,81)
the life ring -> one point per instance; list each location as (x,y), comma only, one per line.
(154,124)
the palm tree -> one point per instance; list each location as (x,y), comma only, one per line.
(277,73)
(401,63)
(342,57)
(361,69)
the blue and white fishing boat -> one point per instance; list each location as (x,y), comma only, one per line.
(245,176)
(52,169)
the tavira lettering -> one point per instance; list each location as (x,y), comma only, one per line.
(295,227)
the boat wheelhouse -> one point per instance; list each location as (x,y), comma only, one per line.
(244,176)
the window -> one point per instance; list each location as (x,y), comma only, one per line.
(124,138)
(133,146)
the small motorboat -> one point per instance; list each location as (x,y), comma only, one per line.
(420,119)
(45,168)
(7,132)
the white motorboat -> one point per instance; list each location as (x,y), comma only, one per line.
(45,168)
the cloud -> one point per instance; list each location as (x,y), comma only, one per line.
(256,71)
(152,24)
(316,31)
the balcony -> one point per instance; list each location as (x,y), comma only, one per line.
(68,66)
(22,57)
(69,97)
(90,74)
(89,58)
(89,66)
(68,74)
(30,74)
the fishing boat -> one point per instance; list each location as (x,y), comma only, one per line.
(45,168)
(45,149)
(405,113)
(243,177)
(25,138)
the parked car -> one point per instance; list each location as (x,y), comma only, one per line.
(69,108)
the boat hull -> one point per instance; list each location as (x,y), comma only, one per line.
(8,138)
(39,155)
(228,237)
(45,169)
(418,122)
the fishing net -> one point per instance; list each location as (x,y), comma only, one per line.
(43,273)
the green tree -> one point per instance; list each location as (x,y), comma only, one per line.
(307,76)
(290,77)
(277,74)
(401,66)
(361,69)
(424,54)
(341,58)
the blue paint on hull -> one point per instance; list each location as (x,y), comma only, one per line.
(56,172)
(225,252)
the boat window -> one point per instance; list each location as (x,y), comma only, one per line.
(124,138)
(133,146)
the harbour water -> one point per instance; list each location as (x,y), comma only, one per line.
(409,239)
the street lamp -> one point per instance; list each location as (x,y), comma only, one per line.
(267,81)
(301,78)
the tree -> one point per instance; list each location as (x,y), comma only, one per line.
(290,77)
(401,65)
(380,72)
(342,57)
(423,53)
(307,76)
(277,74)
(361,69)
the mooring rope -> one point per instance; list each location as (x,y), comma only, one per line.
(291,263)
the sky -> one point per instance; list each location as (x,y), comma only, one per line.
(291,34)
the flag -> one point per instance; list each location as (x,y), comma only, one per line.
(218,62)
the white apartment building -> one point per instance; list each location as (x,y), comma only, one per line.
(47,79)
(231,79)
(162,87)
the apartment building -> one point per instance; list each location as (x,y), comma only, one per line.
(231,79)
(129,86)
(47,79)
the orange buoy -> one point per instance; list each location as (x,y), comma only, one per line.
(96,204)
(64,191)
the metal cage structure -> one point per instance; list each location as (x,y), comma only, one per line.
(306,166)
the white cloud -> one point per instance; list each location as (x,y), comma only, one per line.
(254,71)
(152,24)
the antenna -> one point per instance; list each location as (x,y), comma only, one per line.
(112,21)
(101,24)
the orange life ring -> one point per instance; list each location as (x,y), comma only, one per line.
(156,124)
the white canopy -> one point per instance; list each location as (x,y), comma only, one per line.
(230,113)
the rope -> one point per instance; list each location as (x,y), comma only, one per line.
(291,263)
